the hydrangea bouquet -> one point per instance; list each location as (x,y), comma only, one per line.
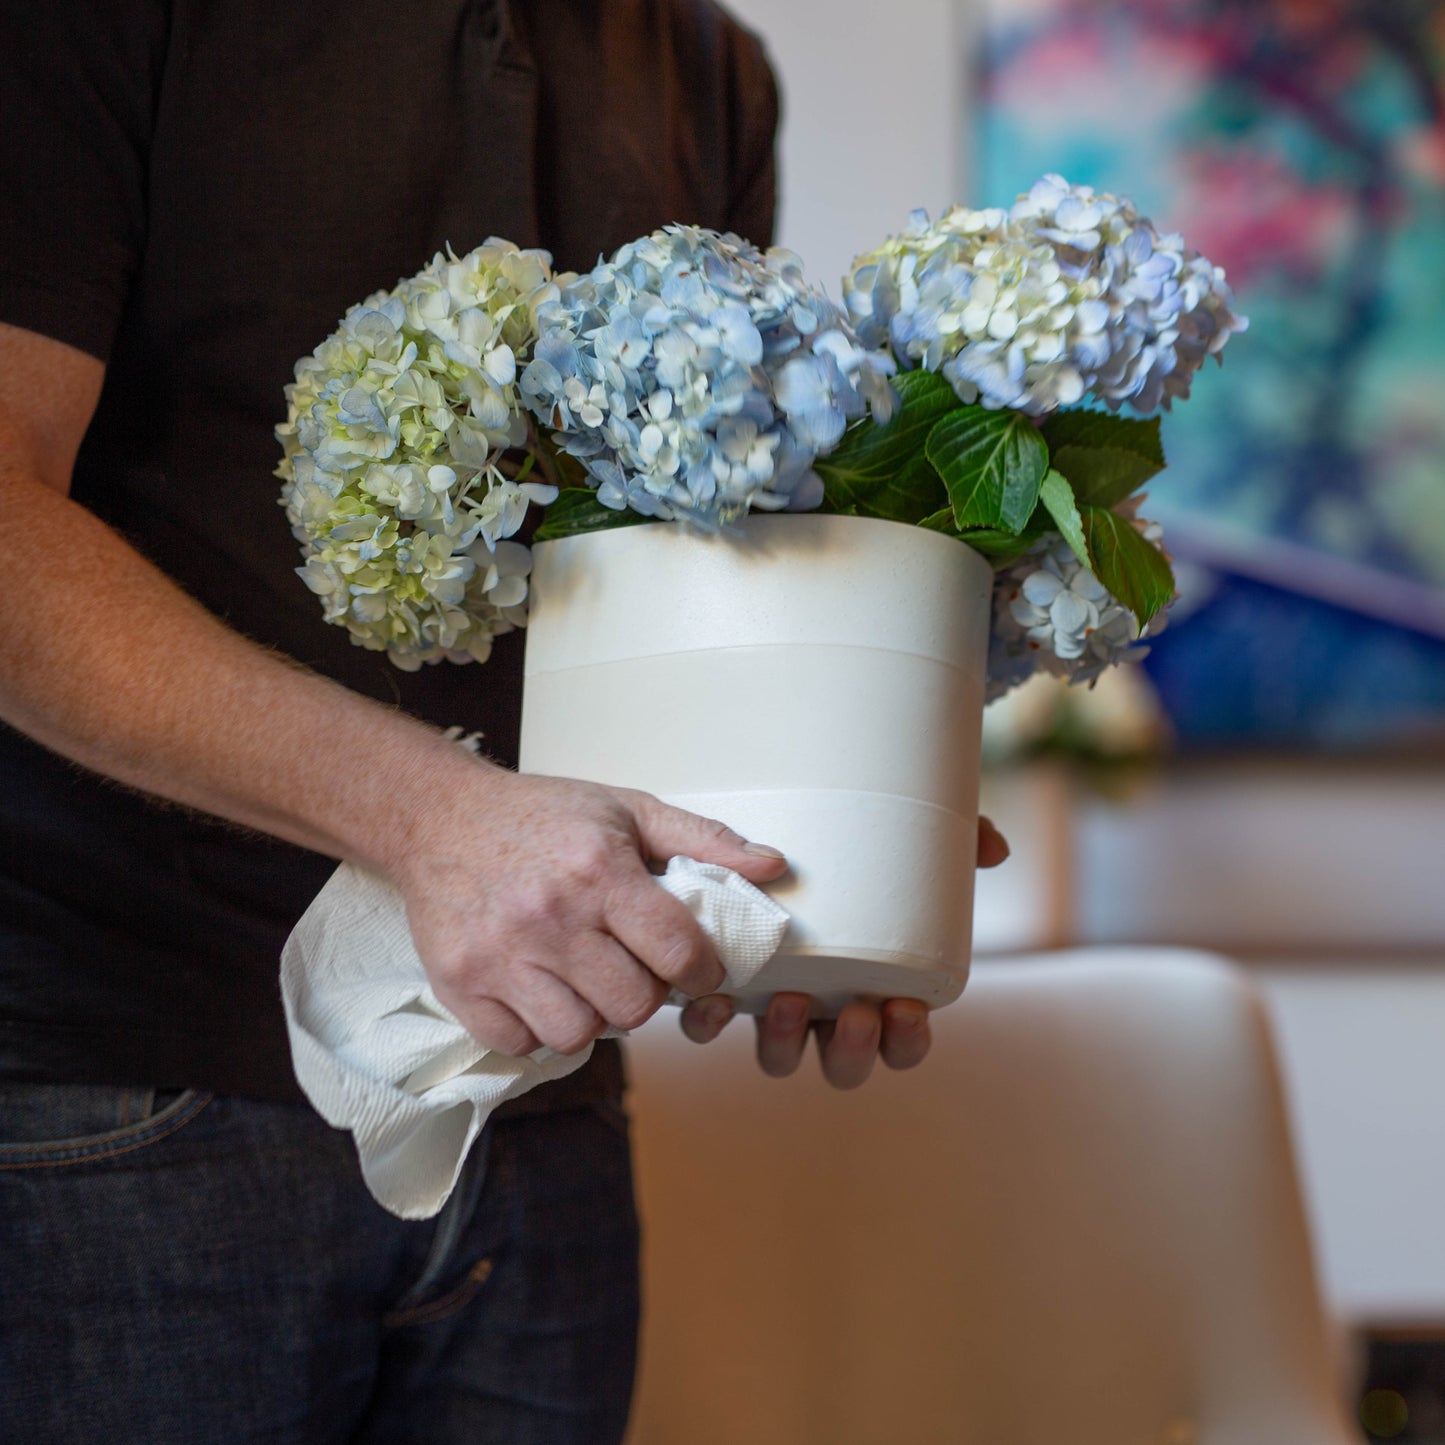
(971,384)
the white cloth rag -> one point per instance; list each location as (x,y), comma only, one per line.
(377,1054)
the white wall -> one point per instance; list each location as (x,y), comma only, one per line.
(874,103)
(1361,1049)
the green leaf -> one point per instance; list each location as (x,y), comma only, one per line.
(1136,572)
(1057,498)
(1103,476)
(997,546)
(916,491)
(569,471)
(1106,457)
(874,467)
(907,495)
(920,392)
(1093,429)
(940,521)
(993,463)
(576,511)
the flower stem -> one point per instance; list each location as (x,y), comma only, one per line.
(538,449)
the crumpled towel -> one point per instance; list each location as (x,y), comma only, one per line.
(377,1054)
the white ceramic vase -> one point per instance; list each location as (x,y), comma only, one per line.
(817,683)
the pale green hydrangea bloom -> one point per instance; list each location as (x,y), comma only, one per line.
(391,482)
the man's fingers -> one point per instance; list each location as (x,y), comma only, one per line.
(555,1013)
(782,1034)
(666,831)
(906,1033)
(848,1047)
(663,936)
(619,987)
(705,1018)
(494,1026)
(992,845)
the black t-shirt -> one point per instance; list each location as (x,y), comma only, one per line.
(195,192)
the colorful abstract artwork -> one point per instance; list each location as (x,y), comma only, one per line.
(1301,144)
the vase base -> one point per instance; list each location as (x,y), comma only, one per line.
(832,980)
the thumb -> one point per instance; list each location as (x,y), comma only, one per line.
(665,831)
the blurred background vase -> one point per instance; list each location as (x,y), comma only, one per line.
(815,682)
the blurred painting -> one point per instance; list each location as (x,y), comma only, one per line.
(1301,145)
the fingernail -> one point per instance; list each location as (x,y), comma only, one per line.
(790,1015)
(716,1012)
(997,839)
(761,850)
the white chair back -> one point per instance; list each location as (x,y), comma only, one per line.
(1078,1223)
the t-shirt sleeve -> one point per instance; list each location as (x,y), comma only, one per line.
(79,86)
(752,210)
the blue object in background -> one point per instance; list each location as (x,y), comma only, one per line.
(1259,666)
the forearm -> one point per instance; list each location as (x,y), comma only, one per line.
(107,662)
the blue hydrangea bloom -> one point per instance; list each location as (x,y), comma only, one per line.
(696,377)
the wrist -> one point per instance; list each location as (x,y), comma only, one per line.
(436,791)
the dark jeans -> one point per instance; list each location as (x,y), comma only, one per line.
(184,1267)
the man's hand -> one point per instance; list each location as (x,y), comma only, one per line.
(896,1031)
(536,915)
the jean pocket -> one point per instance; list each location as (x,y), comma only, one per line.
(57,1124)
(452,1302)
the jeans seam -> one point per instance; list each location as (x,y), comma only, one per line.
(141,1141)
(449,1304)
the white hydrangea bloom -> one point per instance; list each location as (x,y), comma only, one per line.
(984,302)
(1067,294)
(1052,615)
(394,430)
(1168,307)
